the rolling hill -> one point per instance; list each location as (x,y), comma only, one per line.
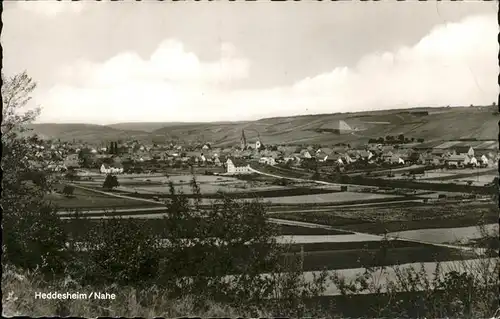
(146,126)
(83,132)
(432,124)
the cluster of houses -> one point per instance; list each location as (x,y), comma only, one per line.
(236,159)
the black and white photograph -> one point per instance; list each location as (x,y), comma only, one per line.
(235,159)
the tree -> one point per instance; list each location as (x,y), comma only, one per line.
(16,94)
(85,158)
(110,182)
(401,137)
(420,140)
(33,236)
(68,190)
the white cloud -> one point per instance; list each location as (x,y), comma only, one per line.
(169,64)
(51,8)
(455,64)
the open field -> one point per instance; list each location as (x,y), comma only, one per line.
(263,193)
(145,179)
(314,197)
(158,185)
(478,180)
(458,173)
(79,227)
(329,198)
(86,199)
(330,249)
(447,235)
(348,259)
(324,239)
(206,188)
(379,220)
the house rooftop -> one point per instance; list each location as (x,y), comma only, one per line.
(238,162)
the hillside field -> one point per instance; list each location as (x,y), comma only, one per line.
(439,124)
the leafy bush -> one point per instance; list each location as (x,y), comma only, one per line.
(35,239)
(68,190)
(120,251)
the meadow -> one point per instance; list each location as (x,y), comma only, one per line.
(463,235)
(337,197)
(398,218)
(204,188)
(86,199)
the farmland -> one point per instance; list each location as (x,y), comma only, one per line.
(334,250)
(84,199)
(380,220)
(329,198)
(357,218)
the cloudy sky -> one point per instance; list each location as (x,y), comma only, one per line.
(154,61)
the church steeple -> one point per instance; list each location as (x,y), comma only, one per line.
(243,140)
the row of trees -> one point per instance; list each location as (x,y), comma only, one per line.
(390,139)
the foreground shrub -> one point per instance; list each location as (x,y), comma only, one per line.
(117,251)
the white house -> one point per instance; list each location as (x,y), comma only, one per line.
(484,160)
(267,160)
(236,166)
(217,161)
(110,169)
(370,155)
(457,160)
(473,161)
(305,154)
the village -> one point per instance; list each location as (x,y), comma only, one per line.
(133,157)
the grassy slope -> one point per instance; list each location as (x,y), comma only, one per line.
(440,124)
(84,132)
(151,126)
